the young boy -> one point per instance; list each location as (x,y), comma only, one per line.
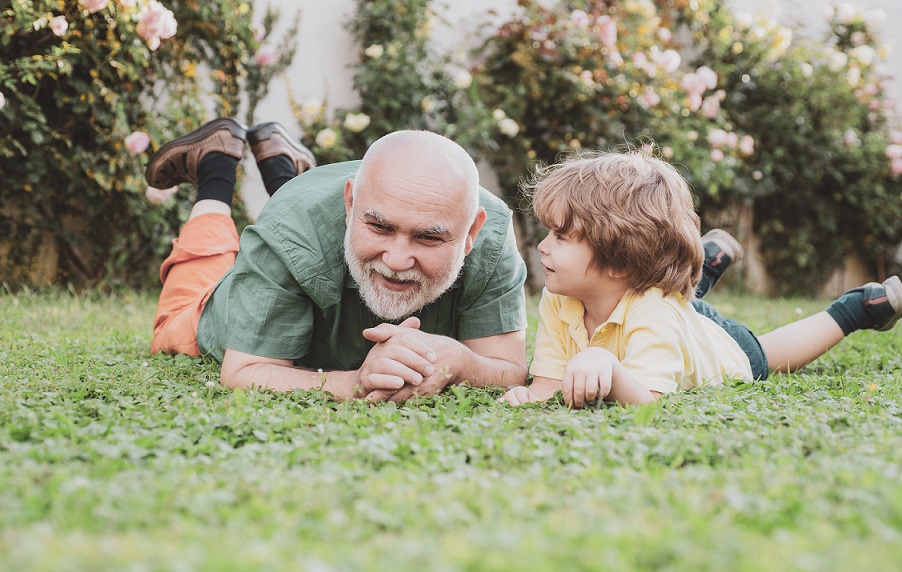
(622,261)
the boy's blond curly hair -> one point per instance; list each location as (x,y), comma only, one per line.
(634,210)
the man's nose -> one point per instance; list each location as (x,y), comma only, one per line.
(399,255)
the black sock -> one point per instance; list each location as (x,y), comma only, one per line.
(848,311)
(216,176)
(276,171)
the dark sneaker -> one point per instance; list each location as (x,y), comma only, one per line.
(721,249)
(883,302)
(272,139)
(176,161)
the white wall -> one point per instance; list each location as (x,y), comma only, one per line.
(326,49)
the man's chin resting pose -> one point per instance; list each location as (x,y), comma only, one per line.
(384,278)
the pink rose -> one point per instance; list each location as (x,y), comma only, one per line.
(695,101)
(693,84)
(59,25)
(718,137)
(607,31)
(155,23)
(651,98)
(747,145)
(668,59)
(708,76)
(137,142)
(717,155)
(894,152)
(265,56)
(710,107)
(94,5)
(579,18)
(895,137)
(896,167)
(159,196)
(732,140)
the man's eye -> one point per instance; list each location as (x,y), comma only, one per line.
(430,238)
(375,226)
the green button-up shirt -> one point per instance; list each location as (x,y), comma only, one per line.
(290,296)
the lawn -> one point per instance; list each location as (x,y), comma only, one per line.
(112,459)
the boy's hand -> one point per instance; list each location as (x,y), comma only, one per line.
(587,377)
(520,395)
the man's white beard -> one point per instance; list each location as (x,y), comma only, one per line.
(388,304)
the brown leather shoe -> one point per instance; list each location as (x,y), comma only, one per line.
(176,161)
(271,139)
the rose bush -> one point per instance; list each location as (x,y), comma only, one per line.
(91,88)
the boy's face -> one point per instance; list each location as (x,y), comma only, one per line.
(568,267)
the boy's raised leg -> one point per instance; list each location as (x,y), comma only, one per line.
(870,307)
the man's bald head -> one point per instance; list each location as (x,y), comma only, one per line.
(427,154)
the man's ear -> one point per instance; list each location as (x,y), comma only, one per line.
(474,229)
(349,200)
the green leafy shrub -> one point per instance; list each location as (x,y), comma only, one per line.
(90,88)
(403,83)
(820,181)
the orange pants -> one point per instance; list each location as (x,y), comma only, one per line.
(201,255)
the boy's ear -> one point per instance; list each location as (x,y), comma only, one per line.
(615,273)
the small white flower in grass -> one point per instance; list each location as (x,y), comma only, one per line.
(757,175)
(807,69)
(498,114)
(375,51)
(327,138)
(193,394)
(798,311)
(509,127)
(210,384)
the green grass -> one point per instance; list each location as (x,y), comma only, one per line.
(112,459)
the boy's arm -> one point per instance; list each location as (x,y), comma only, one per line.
(592,374)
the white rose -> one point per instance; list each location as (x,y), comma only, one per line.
(853,77)
(864,54)
(428,104)
(838,61)
(462,79)
(508,127)
(327,138)
(744,20)
(807,69)
(356,122)
(375,51)
(498,114)
(311,109)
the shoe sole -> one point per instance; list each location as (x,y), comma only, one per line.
(265,131)
(166,154)
(893,288)
(726,242)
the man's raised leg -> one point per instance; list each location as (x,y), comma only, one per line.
(208,243)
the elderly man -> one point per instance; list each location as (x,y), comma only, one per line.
(382,278)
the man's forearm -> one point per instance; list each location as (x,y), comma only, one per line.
(278,377)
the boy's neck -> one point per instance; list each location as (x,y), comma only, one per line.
(600,307)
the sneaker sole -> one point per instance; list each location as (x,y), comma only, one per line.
(894,295)
(726,242)
(166,155)
(265,131)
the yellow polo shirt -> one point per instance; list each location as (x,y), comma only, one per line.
(661,340)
